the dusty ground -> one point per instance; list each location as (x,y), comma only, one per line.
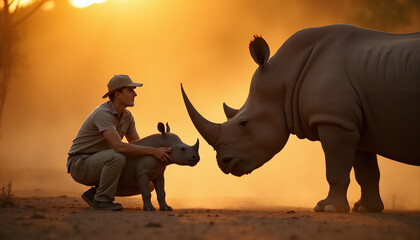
(70,218)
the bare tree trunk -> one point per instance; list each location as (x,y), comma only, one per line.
(7,46)
(7,57)
(5,79)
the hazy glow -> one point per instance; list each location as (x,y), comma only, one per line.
(48,5)
(85,3)
(24,3)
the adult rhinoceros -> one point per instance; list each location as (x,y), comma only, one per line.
(355,90)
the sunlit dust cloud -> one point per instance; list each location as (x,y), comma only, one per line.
(48,5)
(85,3)
(24,3)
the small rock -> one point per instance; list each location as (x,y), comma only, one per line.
(153,224)
(294,237)
(291,211)
(37,216)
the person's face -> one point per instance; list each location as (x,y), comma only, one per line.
(126,97)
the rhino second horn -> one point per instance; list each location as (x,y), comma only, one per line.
(229,112)
(208,130)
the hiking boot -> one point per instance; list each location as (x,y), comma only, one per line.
(88,195)
(110,206)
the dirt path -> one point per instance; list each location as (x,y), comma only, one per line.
(70,218)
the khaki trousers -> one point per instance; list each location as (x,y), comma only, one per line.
(102,169)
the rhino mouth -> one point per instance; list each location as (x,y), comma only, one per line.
(193,162)
(232,165)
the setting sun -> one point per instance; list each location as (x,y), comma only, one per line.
(84,3)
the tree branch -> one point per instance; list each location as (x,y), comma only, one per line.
(17,6)
(30,13)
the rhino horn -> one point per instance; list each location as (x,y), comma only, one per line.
(208,130)
(196,145)
(229,112)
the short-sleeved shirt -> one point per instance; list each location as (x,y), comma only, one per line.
(90,139)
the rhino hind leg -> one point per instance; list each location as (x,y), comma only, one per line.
(367,175)
(339,145)
(126,191)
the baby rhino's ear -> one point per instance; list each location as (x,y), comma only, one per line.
(168,129)
(161,128)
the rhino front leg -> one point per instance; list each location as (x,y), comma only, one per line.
(143,181)
(339,147)
(367,175)
(161,195)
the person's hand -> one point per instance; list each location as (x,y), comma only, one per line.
(162,154)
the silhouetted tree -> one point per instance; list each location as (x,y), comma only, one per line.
(8,42)
(387,15)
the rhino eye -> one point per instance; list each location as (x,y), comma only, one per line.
(243,123)
(183,149)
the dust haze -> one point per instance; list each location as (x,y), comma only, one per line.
(67,55)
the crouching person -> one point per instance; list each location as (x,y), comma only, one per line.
(96,157)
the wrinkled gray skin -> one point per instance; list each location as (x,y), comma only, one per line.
(355,90)
(139,171)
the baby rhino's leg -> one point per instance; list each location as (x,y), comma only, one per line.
(161,195)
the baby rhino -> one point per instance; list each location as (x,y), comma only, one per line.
(140,171)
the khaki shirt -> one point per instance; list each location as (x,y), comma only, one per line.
(90,139)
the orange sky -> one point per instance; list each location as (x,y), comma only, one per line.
(68,55)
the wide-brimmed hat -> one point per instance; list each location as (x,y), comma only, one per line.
(120,81)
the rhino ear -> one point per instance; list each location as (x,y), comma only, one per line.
(161,128)
(259,49)
(168,129)
(229,112)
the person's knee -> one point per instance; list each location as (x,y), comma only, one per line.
(119,159)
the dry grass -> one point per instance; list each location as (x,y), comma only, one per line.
(7,198)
